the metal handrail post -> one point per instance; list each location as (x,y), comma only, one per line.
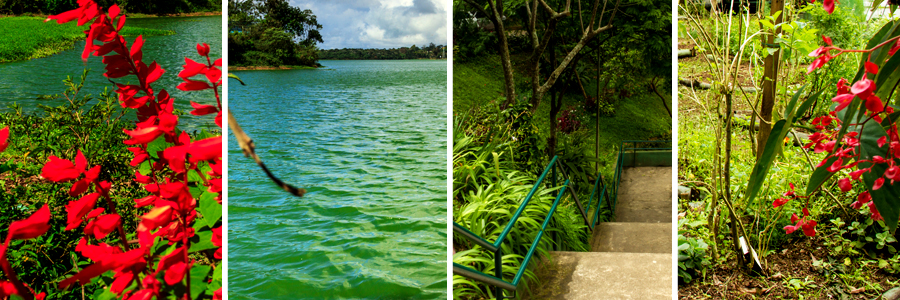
(498,270)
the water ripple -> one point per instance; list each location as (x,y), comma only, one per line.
(367,139)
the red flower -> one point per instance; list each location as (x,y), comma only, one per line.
(206,149)
(217,241)
(202,109)
(32,227)
(103,225)
(203,50)
(845,184)
(61,170)
(193,85)
(77,209)
(142,136)
(191,68)
(4,138)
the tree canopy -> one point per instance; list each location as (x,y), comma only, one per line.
(271,33)
(431,51)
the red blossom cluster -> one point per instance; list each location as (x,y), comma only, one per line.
(172,208)
(845,155)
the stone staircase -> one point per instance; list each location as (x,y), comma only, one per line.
(630,258)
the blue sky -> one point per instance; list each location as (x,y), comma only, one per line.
(379,23)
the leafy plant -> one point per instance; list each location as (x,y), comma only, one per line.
(178,240)
(692,258)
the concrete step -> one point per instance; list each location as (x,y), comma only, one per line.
(604,275)
(646,183)
(632,237)
(643,215)
(645,195)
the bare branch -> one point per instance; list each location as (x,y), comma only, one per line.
(246,144)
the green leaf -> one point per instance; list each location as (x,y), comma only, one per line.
(887,198)
(819,176)
(773,146)
(198,279)
(761,168)
(216,279)
(159,144)
(145,168)
(210,208)
(202,241)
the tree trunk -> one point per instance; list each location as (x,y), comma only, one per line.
(770,77)
(510,83)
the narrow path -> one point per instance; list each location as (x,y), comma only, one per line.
(630,258)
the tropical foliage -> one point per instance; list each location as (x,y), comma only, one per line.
(271,33)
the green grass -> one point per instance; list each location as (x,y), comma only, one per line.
(476,82)
(479,82)
(24,38)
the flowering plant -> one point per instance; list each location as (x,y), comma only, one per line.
(860,133)
(175,248)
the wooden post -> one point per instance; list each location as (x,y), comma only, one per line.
(770,77)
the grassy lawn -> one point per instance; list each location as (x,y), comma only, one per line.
(24,38)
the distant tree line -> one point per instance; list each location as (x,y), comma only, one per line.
(431,51)
(50,7)
(271,33)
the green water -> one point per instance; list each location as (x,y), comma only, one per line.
(368,140)
(24,81)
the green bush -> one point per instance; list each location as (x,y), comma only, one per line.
(692,258)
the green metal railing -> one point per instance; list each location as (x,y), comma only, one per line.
(606,192)
(496,247)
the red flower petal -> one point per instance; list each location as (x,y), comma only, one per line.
(206,149)
(780,201)
(157,217)
(145,201)
(191,68)
(203,50)
(871,68)
(193,85)
(176,272)
(845,184)
(828,5)
(169,261)
(154,73)
(78,208)
(213,75)
(4,138)
(139,156)
(114,11)
(202,109)
(862,87)
(809,228)
(32,227)
(837,165)
(135,52)
(79,187)
(878,183)
(874,104)
(894,48)
(143,135)
(59,170)
(827,40)
(105,224)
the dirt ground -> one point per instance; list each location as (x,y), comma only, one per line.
(791,273)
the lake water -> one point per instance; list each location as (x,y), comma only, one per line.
(22,82)
(368,140)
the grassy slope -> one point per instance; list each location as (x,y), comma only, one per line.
(480,81)
(23,38)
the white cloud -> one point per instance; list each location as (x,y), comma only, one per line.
(379,23)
